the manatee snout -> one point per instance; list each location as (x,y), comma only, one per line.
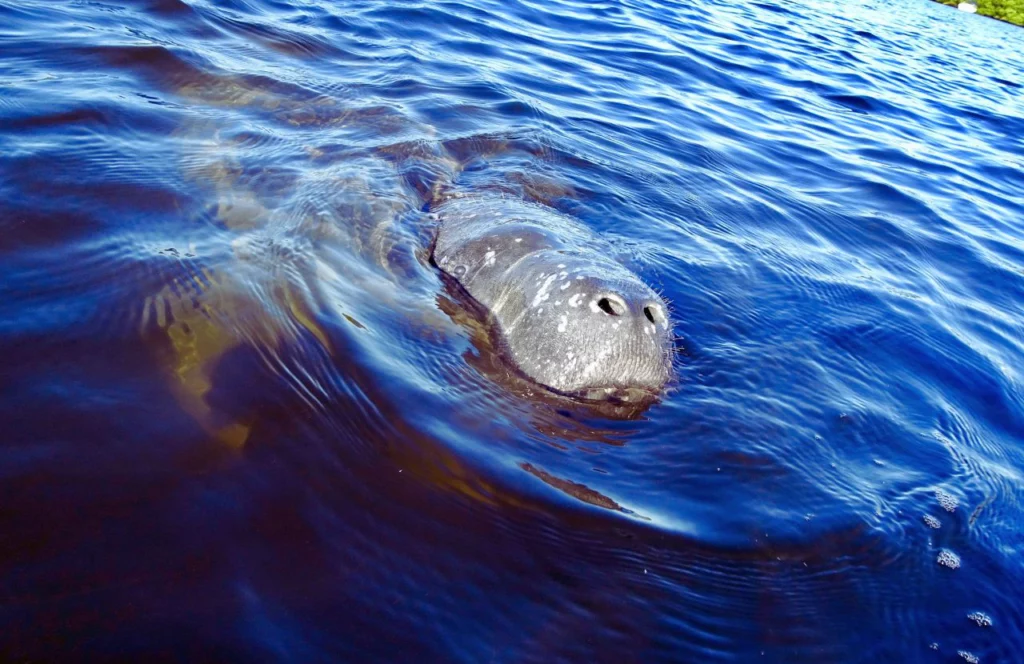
(570,317)
(584,325)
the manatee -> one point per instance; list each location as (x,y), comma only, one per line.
(302,235)
(567,315)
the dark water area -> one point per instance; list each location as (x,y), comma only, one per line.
(245,420)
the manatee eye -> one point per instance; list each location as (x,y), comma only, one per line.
(612,306)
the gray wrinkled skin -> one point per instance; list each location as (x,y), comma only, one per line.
(571,317)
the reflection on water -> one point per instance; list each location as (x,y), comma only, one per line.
(246,419)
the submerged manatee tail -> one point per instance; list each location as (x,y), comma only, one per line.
(187,312)
(206,314)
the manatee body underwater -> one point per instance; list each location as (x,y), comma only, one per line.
(560,310)
(565,313)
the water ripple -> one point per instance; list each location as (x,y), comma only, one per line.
(239,400)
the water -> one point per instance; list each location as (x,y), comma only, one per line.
(244,420)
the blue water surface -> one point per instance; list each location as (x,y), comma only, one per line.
(245,420)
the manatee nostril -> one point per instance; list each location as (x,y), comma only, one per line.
(654,314)
(612,306)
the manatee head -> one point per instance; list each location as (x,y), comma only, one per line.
(568,316)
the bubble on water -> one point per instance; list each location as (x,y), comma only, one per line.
(980,619)
(968,656)
(948,559)
(932,521)
(948,501)
(934,646)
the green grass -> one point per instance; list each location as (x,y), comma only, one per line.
(1011,11)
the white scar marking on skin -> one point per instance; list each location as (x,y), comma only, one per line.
(579,277)
(489,259)
(594,307)
(543,294)
(519,239)
(575,300)
(561,265)
(565,285)
(563,321)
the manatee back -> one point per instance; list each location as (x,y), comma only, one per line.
(482,237)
